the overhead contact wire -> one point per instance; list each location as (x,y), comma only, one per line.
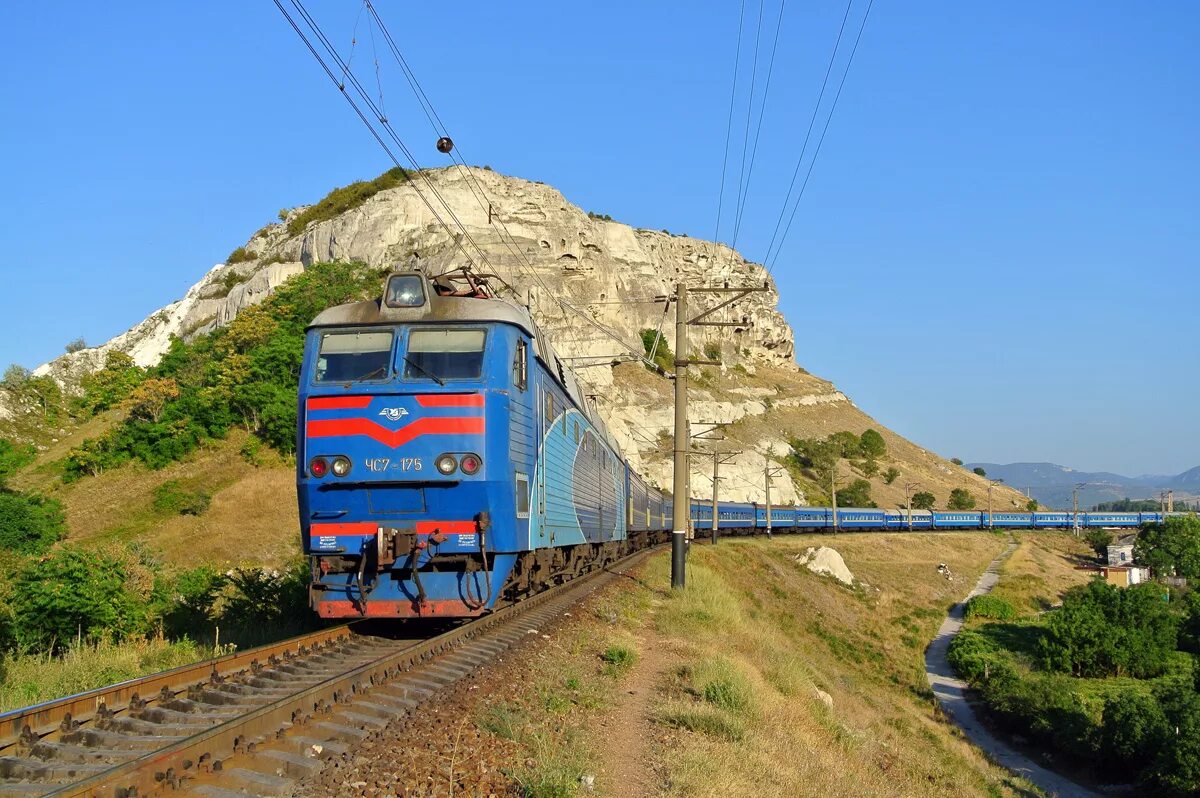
(821,140)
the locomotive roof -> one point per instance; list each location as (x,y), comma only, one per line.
(441,308)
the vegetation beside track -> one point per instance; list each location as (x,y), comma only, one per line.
(1103,681)
(768,679)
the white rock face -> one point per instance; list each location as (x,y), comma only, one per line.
(558,260)
(826,561)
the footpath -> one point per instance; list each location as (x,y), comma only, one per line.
(951,693)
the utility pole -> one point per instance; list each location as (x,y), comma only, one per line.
(768,472)
(718,461)
(681,500)
(1170,501)
(1075,503)
(833,494)
(992,484)
(909,488)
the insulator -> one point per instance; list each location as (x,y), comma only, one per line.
(444,145)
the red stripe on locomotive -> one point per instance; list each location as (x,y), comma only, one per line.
(328,428)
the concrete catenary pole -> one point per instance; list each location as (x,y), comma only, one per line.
(679,514)
(716,481)
(767,475)
(833,494)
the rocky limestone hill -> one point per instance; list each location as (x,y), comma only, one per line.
(590,282)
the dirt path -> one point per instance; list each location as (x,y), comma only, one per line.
(951,694)
(628,728)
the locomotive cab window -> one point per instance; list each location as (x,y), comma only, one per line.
(444,354)
(360,355)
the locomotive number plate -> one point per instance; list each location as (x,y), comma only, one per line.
(381,465)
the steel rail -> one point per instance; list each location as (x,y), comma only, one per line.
(45,720)
(182,760)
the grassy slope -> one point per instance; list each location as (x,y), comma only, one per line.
(750,642)
(785,633)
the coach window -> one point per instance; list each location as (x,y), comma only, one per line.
(354,356)
(520,367)
(444,354)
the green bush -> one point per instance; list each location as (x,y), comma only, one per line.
(29,524)
(240,255)
(663,357)
(192,599)
(14,457)
(987,606)
(975,657)
(872,444)
(1103,630)
(856,494)
(891,474)
(346,198)
(111,385)
(244,373)
(262,598)
(923,500)
(1132,730)
(960,499)
(74,593)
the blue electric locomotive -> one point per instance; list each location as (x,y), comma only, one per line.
(446,457)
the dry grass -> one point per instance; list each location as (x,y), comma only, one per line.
(252,518)
(761,636)
(1041,569)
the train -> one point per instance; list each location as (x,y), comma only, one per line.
(447,460)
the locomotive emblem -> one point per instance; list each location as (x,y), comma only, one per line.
(393,413)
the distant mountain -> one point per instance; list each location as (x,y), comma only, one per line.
(1053,485)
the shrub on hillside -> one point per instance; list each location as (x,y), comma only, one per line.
(76,593)
(13,457)
(171,497)
(891,474)
(960,499)
(267,598)
(873,444)
(29,524)
(240,255)
(856,494)
(1132,730)
(993,607)
(345,198)
(923,500)
(111,385)
(243,373)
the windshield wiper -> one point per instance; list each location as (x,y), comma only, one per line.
(370,375)
(424,370)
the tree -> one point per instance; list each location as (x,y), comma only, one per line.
(1031,506)
(873,444)
(819,457)
(15,376)
(1099,540)
(74,592)
(29,524)
(1172,546)
(891,474)
(1103,630)
(956,461)
(960,499)
(847,443)
(111,385)
(979,470)
(856,494)
(923,501)
(1132,731)
(149,400)
(78,345)
(869,467)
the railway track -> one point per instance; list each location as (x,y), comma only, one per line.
(258,721)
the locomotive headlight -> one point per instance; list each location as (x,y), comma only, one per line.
(470,464)
(319,467)
(446,464)
(341,466)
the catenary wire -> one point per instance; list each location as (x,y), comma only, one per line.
(821,140)
(729,121)
(811,122)
(749,111)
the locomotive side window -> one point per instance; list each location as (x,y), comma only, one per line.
(362,355)
(444,354)
(520,367)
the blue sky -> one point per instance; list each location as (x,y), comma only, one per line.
(996,255)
